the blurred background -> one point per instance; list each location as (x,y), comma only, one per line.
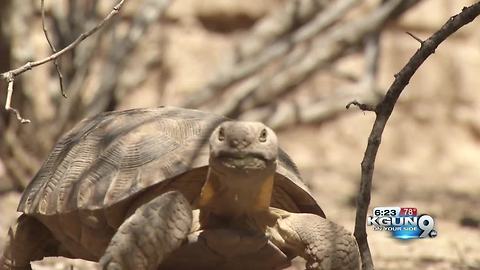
(293,64)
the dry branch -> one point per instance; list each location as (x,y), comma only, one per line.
(284,114)
(383,111)
(372,58)
(11,74)
(8,101)
(362,106)
(52,47)
(280,23)
(253,59)
(334,44)
(149,12)
(289,113)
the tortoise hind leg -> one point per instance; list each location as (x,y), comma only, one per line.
(155,230)
(28,240)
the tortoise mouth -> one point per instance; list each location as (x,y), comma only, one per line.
(243,163)
(242,160)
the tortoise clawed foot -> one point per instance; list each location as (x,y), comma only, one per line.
(324,244)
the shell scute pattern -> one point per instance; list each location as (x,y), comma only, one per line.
(103,159)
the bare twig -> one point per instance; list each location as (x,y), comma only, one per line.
(114,65)
(55,62)
(372,54)
(363,107)
(343,75)
(80,38)
(288,113)
(383,111)
(415,37)
(284,114)
(247,67)
(8,102)
(280,23)
(20,155)
(9,75)
(84,58)
(332,45)
(149,11)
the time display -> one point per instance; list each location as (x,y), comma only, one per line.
(386,211)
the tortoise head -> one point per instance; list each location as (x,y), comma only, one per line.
(243,147)
(243,161)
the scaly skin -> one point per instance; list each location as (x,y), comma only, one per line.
(322,243)
(155,230)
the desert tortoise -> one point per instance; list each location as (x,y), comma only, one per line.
(120,187)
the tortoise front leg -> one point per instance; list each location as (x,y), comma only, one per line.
(322,243)
(150,234)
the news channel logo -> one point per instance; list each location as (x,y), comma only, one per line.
(403,222)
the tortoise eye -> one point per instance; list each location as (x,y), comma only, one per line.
(221,134)
(263,136)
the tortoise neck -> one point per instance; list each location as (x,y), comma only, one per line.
(235,195)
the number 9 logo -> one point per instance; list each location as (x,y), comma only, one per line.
(426,224)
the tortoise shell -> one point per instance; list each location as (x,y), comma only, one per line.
(111,158)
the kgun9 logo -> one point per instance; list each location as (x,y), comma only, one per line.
(403,222)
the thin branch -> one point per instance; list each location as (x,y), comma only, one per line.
(149,11)
(11,74)
(280,23)
(80,38)
(285,114)
(232,74)
(334,44)
(363,107)
(343,75)
(289,113)
(55,62)
(8,102)
(415,37)
(372,56)
(84,58)
(372,59)
(384,110)
(20,155)
(114,65)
